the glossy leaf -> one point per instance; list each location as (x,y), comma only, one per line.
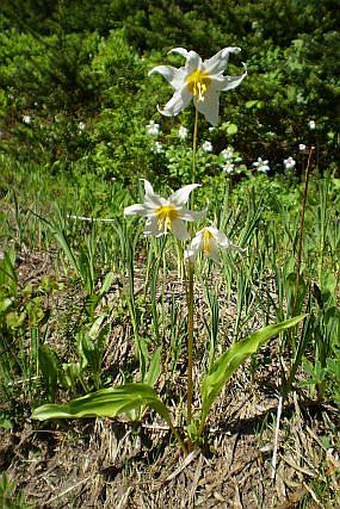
(226,365)
(106,403)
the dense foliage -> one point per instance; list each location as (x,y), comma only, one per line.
(75,92)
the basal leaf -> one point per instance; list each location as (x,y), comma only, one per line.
(105,403)
(226,365)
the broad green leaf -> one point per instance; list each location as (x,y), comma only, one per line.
(106,403)
(226,365)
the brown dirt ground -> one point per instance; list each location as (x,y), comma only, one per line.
(107,463)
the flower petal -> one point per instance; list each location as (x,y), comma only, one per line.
(176,77)
(148,188)
(178,102)
(180,51)
(151,199)
(136,209)
(152,228)
(213,250)
(190,254)
(210,106)
(219,61)
(179,229)
(224,83)
(193,61)
(192,215)
(220,237)
(181,196)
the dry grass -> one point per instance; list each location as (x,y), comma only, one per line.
(103,463)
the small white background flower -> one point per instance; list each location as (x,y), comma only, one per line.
(289,163)
(228,168)
(261,165)
(183,133)
(152,128)
(27,119)
(227,153)
(207,146)
(165,215)
(157,147)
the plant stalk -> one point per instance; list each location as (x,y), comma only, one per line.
(190,304)
(301,230)
(194,147)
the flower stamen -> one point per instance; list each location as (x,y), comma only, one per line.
(166,214)
(207,236)
(198,83)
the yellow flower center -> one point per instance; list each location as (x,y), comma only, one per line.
(165,215)
(207,236)
(198,83)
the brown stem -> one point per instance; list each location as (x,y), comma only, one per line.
(301,229)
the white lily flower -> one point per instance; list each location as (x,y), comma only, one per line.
(302,146)
(165,215)
(199,80)
(209,241)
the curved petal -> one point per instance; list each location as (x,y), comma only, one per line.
(197,242)
(213,250)
(193,61)
(151,200)
(191,215)
(152,227)
(176,77)
(222,239)
(136,209)
(210,106)
(178,102)
(219,61)
(190,254)
(195,247)
(179,229)
(148,188)
(180,51)
(181,196)
(224,83)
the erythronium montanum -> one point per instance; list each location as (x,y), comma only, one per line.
(201,81)
(165,215)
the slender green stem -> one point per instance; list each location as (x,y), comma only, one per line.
(190,304)
(297,349)
(301,230)
(190,297)
(194,147)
